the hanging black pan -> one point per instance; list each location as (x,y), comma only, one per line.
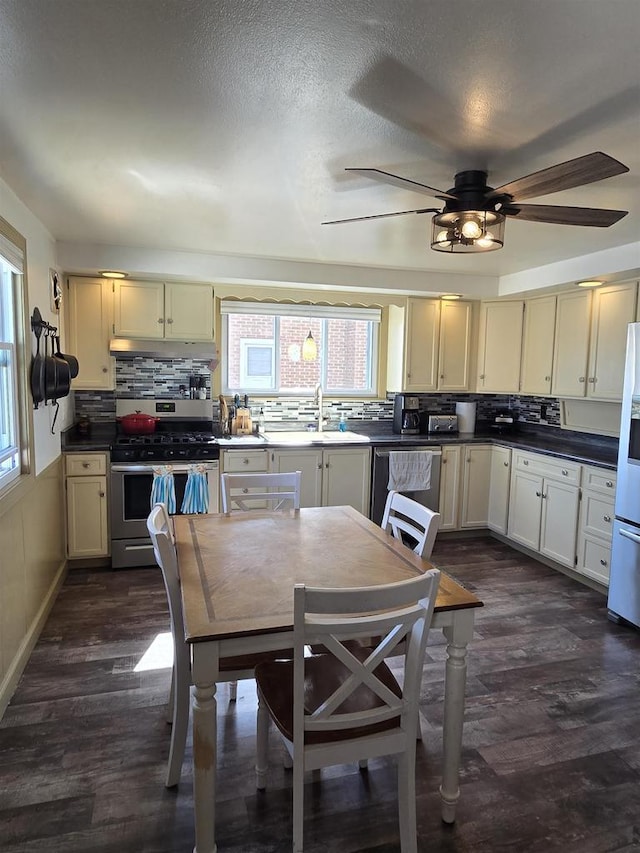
(71,360)
(37,372)
(57,376)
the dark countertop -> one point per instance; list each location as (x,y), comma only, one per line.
(577,447)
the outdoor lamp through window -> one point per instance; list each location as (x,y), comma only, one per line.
(309,348)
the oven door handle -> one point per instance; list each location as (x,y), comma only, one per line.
(629,535)
(177,468)
(382,453)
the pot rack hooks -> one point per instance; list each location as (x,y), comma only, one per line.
(38,325)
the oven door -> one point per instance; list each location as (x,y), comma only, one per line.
(130,503)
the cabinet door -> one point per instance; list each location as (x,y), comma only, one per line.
(310,463)
(525,509)
(450,487)
(421,345)
(500,346)
(188,312)
(499,489)
(87,532)
(454,356)
(594,558)
(475,485)
(139,309)
(559,527)
(90,315)
(613,309)
(571,346)
(537,345)
(347,478)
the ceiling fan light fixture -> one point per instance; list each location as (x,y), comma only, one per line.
(467,231)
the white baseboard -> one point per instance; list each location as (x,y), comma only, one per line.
(11,679)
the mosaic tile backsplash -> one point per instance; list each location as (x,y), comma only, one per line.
(159,378)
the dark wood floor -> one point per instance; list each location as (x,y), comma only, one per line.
(551,743)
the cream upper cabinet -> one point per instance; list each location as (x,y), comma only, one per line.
(500,346)
(476,471)
(500,478)
(454,355)
(90,316)
(571,348)
(421,345)
(613,308)
(450,487)
(537,345)
(151,309)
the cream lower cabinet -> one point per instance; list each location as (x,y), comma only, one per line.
(90,316)
(544,505)
(500,480)
(339,476)
(596,523)
(86,500)
(464,486)
(245,462)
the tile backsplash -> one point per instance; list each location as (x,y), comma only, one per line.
(160,378)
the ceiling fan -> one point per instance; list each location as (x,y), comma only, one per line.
(474,214)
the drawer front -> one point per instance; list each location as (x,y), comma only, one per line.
(246,461)
(545,466)
(86,464)
(597,515)
(594,560)
(599,480)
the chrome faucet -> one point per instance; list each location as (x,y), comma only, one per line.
(319,404)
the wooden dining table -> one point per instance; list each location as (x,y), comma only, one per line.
(237,576)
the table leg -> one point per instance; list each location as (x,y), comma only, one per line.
(204,765)
(458,635)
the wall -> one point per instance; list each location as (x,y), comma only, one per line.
(32,548)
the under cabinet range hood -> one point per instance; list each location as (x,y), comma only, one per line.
(206,350)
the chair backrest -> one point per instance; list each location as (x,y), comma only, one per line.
(403,515)
(159,527)
(395,614)
(280,491)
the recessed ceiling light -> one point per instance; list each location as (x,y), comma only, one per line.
(113,274)
(450,296)
(589,283)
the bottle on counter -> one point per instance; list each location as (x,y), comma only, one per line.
(202,388)
(342,425)
(261,421)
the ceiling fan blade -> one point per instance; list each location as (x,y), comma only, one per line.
(381,215)
(403,183)
(564,176)
(596,217)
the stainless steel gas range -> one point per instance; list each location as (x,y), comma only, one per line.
(181,446)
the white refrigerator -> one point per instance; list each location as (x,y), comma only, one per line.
(624,582)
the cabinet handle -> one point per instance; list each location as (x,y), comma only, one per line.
(506,464)
(245,461)
(581,379)
(565,473)
(326,464)
(104,370)
(444,462)
(85,464)
(609,484)
(169,320)
(603,562)
(525,461)
(606,518)
(547,379)
(482,376)
(544,497)
(245,491)
(320,465)
(101,494)
(538,494)
(160,319)
(592,379)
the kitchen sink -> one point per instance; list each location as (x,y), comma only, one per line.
(301,438)
(241,439)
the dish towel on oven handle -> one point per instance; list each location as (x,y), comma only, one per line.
(409,470)
(163,488)
(196,492)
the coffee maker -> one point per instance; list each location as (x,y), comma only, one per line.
(406,415)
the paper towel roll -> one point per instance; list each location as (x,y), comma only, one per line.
(466,413)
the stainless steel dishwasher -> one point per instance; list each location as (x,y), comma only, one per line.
(428,497)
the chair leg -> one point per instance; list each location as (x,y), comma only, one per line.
(287,761)
(262,746)
(179,729)
(172,691)
(233,691)
(407,799)
(298,802)
(419,732)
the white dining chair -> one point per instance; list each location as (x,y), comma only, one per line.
(403,517)
(231,669)
(277,491)
(347,705)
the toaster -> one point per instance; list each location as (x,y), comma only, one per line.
(442,423)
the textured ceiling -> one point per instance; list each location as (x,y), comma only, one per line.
(226,126)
